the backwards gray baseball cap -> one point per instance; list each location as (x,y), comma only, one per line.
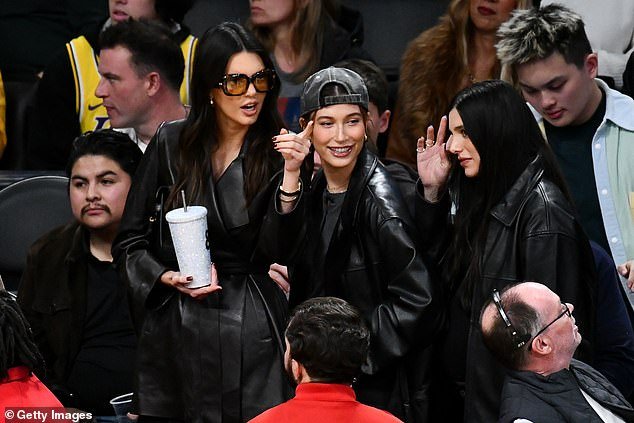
(312,100)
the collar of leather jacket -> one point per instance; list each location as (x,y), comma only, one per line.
(79,245)
(506,211)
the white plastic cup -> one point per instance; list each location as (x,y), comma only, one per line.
(189,235)
(121,406)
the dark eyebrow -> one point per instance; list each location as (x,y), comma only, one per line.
(355,114)
(106,173)
(100,176)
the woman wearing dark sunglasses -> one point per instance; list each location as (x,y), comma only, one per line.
(513,222)
(214,354)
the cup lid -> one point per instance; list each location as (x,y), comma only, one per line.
(122,399)
(182,216)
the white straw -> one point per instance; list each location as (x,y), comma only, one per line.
(184,202)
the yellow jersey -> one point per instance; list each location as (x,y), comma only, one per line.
(84,63)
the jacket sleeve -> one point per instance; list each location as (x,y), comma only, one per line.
(55,121)
(409,313)
(282,233)
(432,224)
(132,247)
(27,294)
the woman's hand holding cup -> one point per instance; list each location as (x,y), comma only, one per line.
(180,282)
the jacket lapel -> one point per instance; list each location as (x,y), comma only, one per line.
(338,252)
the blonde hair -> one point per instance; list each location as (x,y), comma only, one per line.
(312,18)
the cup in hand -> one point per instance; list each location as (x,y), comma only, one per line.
(189,235)
(122,406)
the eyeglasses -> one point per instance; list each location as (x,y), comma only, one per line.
(234,84)
(566,311)
(518,339)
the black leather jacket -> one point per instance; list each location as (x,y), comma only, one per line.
(373,262)
(218,359)
(532,236)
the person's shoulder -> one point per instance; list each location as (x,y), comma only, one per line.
(383,205)
(169,132)
(273,414)
(518,398)
(382,189)
(619,107)
(546,209)
(368,414)
(56,240)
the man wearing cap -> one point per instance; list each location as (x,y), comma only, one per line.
(532,333)
(361,245)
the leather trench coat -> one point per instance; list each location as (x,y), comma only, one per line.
(219,359)
(533,235)
(373,262)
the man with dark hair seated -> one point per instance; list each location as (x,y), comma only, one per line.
(71,292)
(66,105)
(327,341)
(141,70)
(532,333)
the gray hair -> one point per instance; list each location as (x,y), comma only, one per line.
(537,33)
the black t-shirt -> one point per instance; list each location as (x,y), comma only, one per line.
(104,366)
(573,148)
(332,210)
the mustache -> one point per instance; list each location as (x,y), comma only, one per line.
(88,207)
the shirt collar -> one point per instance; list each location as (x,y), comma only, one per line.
(314,391)
(16,373)
(618,107)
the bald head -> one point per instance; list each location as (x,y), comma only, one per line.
(537,314)
(508,339)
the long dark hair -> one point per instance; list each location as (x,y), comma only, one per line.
(17,347)
(507,138)
(200,134)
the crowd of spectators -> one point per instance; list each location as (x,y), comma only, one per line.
(506,195)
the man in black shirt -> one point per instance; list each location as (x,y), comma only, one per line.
(71,293)
(589,126)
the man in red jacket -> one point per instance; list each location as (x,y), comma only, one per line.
(326,344)
(19,387)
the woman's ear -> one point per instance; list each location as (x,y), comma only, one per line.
(302,123)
